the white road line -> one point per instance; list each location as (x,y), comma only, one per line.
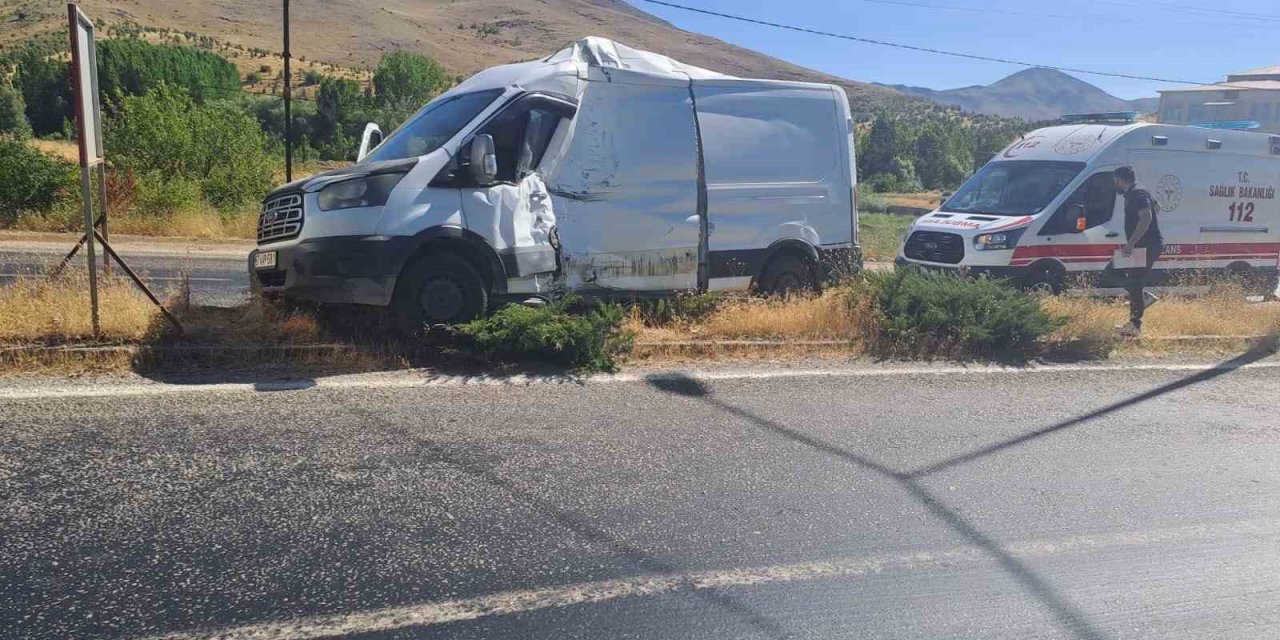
(527,600)
(419,379)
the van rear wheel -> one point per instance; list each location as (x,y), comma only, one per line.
(438,289)
(787,273)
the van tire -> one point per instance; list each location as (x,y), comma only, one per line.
(438,289)
(787,273)
(1043,279)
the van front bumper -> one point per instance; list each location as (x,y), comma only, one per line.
(994,272)
(339,270)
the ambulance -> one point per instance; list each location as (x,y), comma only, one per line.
(1044,212)
(600,169)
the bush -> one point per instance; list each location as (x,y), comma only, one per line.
(30,180)
(253,77)
(312,77)
(220,146)
(158,195)
(554,333)
(924,313)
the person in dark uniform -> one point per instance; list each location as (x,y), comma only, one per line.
(1142,231)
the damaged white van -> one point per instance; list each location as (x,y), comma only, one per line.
(601,170)
(1044,211)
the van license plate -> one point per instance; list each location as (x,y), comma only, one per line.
(265,260)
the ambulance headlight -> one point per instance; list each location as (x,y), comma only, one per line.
(369,191)
(998,241)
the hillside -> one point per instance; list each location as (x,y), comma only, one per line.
(1032,94)
(463,35)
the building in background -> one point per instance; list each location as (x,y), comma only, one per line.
(1244,96)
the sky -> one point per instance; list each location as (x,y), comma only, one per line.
(1188,40)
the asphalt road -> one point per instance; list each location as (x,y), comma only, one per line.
(1073,504)
(217,277)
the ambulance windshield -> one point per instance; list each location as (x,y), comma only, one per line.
(1013,188)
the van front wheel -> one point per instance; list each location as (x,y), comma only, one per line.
(439,289)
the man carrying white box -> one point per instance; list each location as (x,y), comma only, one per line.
(1142,247)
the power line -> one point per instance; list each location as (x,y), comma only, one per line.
(942,52)
(1267,17)
(1094,18)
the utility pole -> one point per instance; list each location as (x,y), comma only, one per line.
(288,99)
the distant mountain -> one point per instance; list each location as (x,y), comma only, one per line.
(1032,94)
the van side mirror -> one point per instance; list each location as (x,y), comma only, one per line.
(483,160)
(1079,217)
(369,140)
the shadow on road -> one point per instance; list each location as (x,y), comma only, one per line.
(1075,620)
(1262,349)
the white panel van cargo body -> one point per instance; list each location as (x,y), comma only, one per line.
(1044,210)
(600,169)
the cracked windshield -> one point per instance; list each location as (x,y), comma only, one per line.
(645,319)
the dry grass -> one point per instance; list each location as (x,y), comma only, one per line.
(923,200)
(46,310)
(796,318)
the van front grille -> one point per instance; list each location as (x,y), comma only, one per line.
(281,218)
(934,246)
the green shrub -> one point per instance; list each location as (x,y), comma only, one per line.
(312,77)
(217,144)
(253,77)
(555,334)
(924,313)
(31,181)
(160,195)
(685,308)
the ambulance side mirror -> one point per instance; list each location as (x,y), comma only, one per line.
(482,159)
(1079,217)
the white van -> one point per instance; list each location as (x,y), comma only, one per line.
(600,169)
(1045,213)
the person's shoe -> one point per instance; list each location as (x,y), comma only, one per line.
(1129,330)
(1149,299)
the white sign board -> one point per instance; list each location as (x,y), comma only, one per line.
(84,69)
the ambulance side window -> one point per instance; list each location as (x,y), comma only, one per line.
(1097,194)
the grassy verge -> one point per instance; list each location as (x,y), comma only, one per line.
(922,319)
(880,233)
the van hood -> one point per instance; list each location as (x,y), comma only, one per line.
(975,222)
(316,182)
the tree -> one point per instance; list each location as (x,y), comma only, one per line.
(13,116)
(405,79)
(30,180)
(340,115)
(134,67)
(942,154)
(44,83)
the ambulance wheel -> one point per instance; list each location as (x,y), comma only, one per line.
(1043,279)
(438,289)
(787,273)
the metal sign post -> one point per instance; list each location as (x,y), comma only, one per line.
(84,80)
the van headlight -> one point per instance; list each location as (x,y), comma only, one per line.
(997,241)
(367,191)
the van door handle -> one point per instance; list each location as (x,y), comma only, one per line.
(1113,234)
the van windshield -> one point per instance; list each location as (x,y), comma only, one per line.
(1013,188)
(433,126)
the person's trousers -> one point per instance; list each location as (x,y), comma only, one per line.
(1135,280)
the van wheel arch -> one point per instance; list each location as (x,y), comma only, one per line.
(782,259)
(464,244)
(1048,276)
